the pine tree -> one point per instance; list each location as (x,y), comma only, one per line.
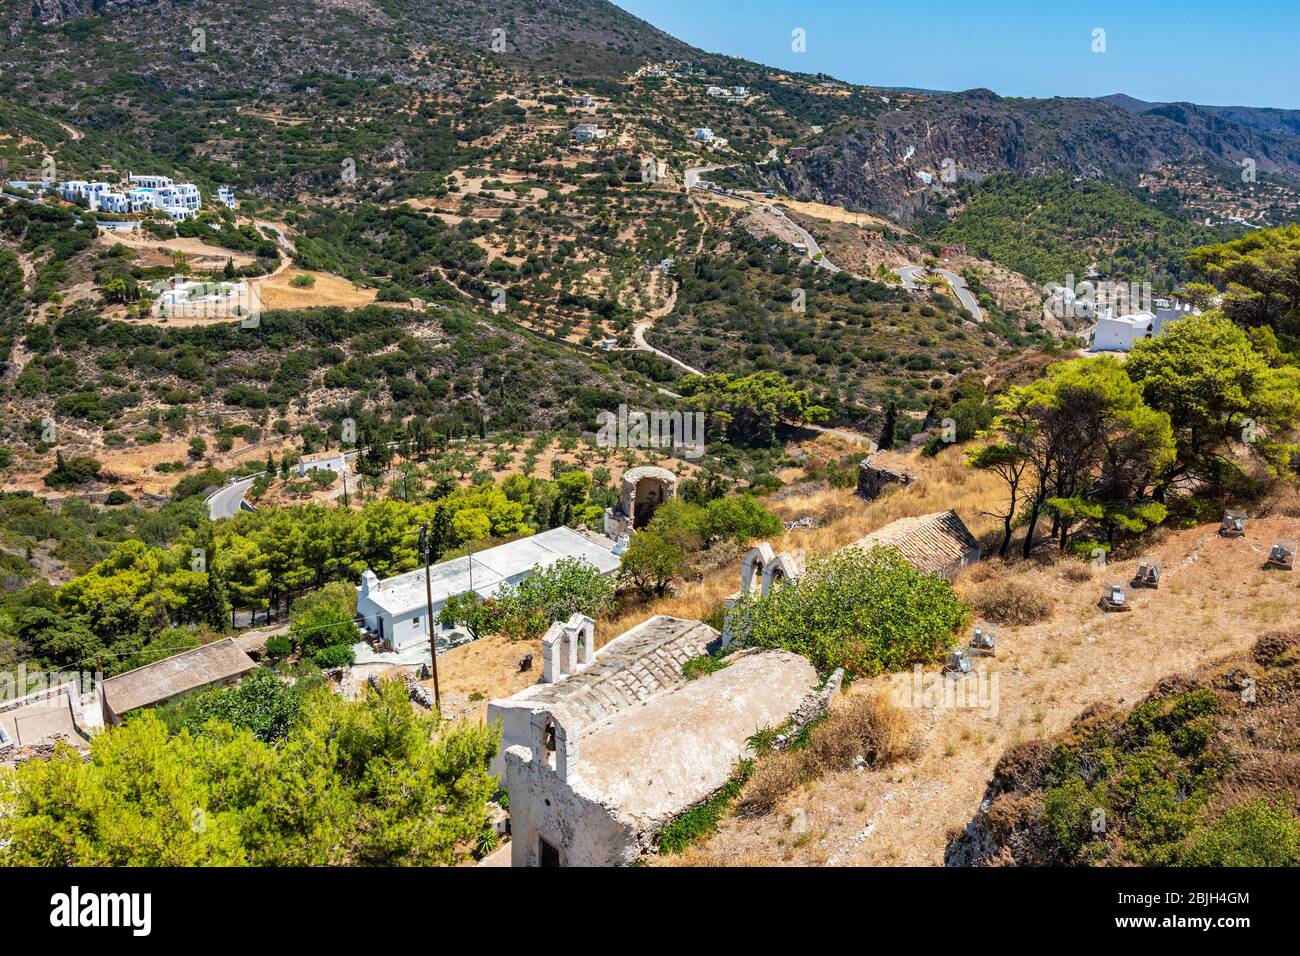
(888,434)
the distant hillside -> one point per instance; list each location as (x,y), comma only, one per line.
(1266,118)
(298,39)
(1053,226)
(880,164)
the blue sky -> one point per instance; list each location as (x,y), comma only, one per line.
(1233,53)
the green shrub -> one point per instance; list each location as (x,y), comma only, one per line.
(569,586)
(866,611)
(699,666)
(278,646)
(339,655)
(701,821)
(1253,834)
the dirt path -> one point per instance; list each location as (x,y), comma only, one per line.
(76,134)
(1214,599)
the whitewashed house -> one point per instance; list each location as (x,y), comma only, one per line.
(114,202)
(395,610)
(587,133)
(178,200)
(323,461)
(226,196)
(1119,333)
(703,133)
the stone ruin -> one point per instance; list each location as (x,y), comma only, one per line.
(874,479)
(983,642)
(615,743)
(958,664)
(1114,599)
(644,490)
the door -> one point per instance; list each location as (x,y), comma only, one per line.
(547,854)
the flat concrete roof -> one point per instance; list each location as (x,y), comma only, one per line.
(40,721)
(490,569)
(656,758)
(189,670)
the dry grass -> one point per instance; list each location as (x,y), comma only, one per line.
(278,292)
(1008,601)
(863,725)
(1214,599)
(844,518)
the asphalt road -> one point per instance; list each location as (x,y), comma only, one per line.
(964,295)
(225,501)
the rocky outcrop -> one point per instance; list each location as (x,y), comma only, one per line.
(49,12)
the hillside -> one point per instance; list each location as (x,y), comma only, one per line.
(1197,774)
(876,165)
(1070,659)
(1050,227)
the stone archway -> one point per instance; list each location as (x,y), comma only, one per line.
(644,490)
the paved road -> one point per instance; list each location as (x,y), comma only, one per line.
(225,502)
(693,174)
(908,274)
(638,336)
(964,295)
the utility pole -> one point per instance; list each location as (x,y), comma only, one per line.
(426,542)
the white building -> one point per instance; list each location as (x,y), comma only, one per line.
(226,196)
(616,742)
(396,609)
(113,202)
(703,133)
(587,133)
(181,297)
(178,200)
(1119,333)
(323,461)
(149,182)
(75,189)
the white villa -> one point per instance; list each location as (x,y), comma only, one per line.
(178,200)
(323,461)
(395,610)
(1119,333)
(181,297)
(703,133)
(587,133)
(226,196)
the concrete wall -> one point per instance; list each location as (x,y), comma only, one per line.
(584,832)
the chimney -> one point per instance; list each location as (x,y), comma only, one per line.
(369,582)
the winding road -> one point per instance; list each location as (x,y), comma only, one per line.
(963,294)
(227,500)
(908,274)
